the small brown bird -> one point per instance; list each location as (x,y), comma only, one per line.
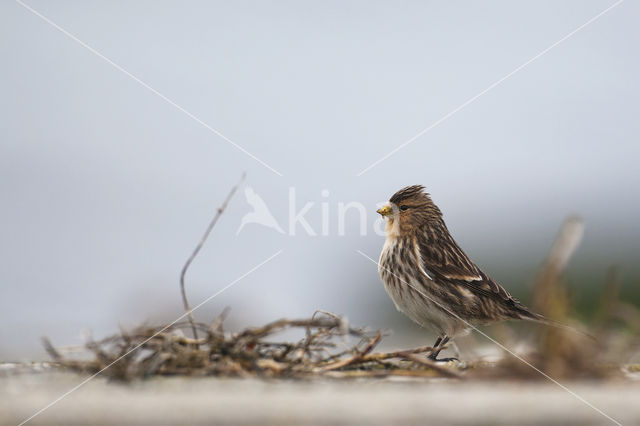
(430,279)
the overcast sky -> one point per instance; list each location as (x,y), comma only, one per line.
(108,181)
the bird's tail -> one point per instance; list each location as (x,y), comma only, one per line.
(528,315)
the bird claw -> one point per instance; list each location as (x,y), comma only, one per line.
(440,344)
(445,359)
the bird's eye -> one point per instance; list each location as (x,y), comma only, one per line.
(403,208)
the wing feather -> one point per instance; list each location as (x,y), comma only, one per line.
(444,260)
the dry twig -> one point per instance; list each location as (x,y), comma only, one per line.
(195,252)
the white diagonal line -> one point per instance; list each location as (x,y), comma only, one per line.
(143,84)
(497,343)
(492,86)
(73,389)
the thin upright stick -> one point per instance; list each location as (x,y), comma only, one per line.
(564,246)
(219,212)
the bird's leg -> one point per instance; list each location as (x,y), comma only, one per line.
(440,342)
(437,347)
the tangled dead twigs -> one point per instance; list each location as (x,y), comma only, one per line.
(322,351)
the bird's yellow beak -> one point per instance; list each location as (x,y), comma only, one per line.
(385,210)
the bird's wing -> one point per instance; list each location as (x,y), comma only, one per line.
(444,260)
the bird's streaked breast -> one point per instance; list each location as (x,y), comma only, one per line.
(411,287)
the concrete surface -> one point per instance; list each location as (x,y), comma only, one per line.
(192,401)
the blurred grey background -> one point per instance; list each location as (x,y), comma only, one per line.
(106,187)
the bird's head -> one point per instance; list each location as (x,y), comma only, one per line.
(408,210)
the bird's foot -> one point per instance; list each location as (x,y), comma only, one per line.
(444,359)
(441,343)
(434,355)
